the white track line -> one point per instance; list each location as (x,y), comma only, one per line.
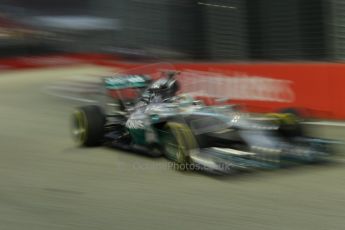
(325,123)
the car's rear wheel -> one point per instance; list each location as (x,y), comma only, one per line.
(177,142)
(88,125)
(289,124)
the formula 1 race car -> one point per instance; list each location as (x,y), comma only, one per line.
(146,113)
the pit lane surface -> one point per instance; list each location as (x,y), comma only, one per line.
(48,183)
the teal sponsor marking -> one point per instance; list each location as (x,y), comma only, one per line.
(129,81)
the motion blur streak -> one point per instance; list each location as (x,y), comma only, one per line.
(256,55)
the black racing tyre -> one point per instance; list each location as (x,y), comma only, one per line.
(177,142)
(296,112)
(289,124)
(88,125)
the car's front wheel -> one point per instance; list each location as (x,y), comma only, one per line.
(88,125)
(177,142)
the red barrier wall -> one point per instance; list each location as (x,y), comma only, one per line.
(50,61)
(318,88)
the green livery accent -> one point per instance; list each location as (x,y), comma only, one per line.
(138,136)
(127,81)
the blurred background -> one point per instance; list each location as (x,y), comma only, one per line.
(267,55)
(190,29)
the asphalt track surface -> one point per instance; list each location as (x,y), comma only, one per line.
(49,183)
